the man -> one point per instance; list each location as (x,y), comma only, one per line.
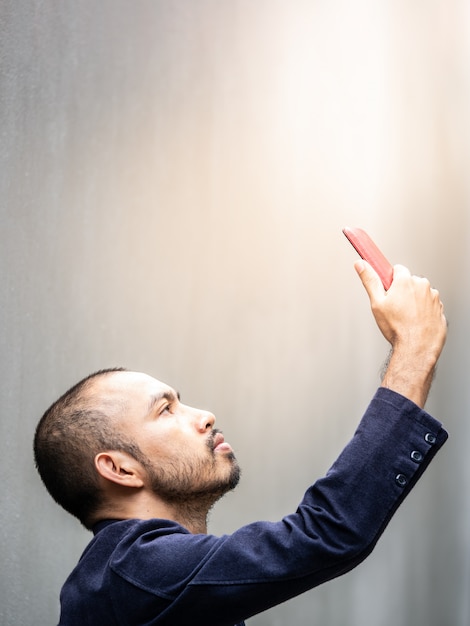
(124,455)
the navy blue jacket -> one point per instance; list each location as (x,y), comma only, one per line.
(155,572)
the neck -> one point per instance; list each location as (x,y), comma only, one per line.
(194,520)
(191,513)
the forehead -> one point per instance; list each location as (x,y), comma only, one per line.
(129,389)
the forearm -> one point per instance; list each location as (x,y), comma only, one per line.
(409,375)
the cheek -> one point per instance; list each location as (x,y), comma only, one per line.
(170,443)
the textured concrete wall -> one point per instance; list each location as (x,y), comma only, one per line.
(174,176)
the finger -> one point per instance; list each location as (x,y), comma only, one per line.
(370,279)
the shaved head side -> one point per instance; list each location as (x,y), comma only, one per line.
(71,432)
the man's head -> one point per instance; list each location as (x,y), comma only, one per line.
(117,433)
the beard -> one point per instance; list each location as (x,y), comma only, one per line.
(195,481)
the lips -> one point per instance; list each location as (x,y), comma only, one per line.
(218,443)
(218,440)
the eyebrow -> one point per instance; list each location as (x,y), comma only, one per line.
(168,395)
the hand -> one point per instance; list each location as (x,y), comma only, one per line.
(410,315)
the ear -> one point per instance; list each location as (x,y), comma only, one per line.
(120,468)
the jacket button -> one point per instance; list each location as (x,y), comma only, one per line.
(416,456)
(401,480)
(429,438)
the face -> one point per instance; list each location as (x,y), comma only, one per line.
(183,455)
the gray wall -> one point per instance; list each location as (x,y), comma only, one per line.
(174,176)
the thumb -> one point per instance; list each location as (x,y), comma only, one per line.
(370,279)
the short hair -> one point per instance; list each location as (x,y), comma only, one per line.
(73,430)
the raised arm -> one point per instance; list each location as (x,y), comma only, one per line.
(410,316)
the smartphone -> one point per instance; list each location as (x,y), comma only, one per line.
(368,251)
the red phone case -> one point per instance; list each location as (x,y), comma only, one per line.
(368,251)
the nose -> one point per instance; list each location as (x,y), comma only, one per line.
(205,421)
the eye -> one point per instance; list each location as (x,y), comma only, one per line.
(166,409)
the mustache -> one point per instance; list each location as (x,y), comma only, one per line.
(211,438)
